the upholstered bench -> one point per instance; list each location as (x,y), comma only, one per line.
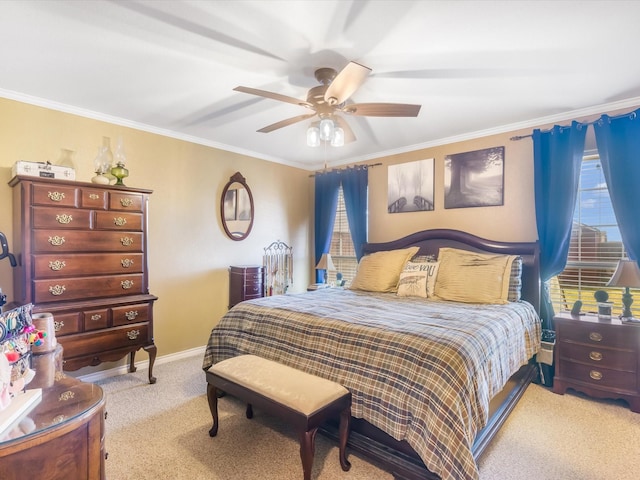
(302,399)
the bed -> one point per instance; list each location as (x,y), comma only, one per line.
(432,380)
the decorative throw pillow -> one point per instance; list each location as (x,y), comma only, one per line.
(380,271)
(413,283)
(472,277)
(515,280)
(432,271)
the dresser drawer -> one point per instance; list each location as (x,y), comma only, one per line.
(61,218)
(94,241)
(253,278)
(67,323)
(103,340)
(599,377)
(96,319)
(598,334)
(93,198)
(129,314)
(253,289)
(73,265)
(596,356)
(130,202)
(65,289)
(119,221)
(65,196)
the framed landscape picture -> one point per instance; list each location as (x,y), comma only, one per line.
(474,179)
(410,187)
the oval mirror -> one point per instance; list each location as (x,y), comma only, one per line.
(236,208)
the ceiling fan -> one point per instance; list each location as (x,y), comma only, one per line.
(331,98)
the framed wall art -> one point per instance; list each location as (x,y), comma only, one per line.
(410,186)
(474,179)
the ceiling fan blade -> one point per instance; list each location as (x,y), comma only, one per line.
(349,136)
(273,96)
(285,123)
(345,83)
(382,109)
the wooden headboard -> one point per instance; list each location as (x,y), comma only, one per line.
(430,242)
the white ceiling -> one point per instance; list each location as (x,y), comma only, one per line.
(476,67)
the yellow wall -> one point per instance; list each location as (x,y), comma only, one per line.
(189,254)
(514,221)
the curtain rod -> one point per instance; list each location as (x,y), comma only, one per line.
(371,165)
(631,115)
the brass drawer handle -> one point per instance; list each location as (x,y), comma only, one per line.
(133,334)
(57,265)
(57,326)
(96,317)
(56,241)
(68,395)
(57,290)
(126,241)
(119,221)
(126,284)
(595,375)
(595,336)
(56,196)
(94,196)
(126,262)
(126,202)
(131,315)
(595,356)
(64,218)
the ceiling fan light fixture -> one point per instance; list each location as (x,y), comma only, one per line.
(326,129)
(313,136)
(338,137)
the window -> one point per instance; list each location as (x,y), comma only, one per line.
(595,248)
(342,252)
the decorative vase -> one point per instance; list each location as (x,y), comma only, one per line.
(107,159)
(119,172)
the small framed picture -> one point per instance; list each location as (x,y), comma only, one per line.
(410,187)
(474,179)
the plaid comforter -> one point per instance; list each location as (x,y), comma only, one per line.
(421,370)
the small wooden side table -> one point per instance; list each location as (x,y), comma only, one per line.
(599,357)
(62,437)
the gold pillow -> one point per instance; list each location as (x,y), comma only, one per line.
(473,277)
(380,271)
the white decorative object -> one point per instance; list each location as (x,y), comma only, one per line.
(43,170)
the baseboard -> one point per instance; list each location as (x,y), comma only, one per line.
(123,369)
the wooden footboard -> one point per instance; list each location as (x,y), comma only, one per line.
(401,461)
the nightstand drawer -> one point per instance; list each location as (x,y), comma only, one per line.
(592,333)
(600,357)
(599,377)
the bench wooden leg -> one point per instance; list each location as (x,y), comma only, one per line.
(307,448)
(249,412)
(212,396)
(345,425)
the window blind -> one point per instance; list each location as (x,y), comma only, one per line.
(342,251)
(595,245)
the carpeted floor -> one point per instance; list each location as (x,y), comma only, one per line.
(161,431)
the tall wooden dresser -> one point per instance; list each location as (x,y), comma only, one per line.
(245,282)
(82,256)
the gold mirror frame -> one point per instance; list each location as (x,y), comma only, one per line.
(236,208)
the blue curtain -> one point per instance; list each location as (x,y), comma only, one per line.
(326,201)
(557,156)
(354,186)
(618,140)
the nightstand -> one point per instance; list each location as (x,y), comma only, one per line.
(597,357)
